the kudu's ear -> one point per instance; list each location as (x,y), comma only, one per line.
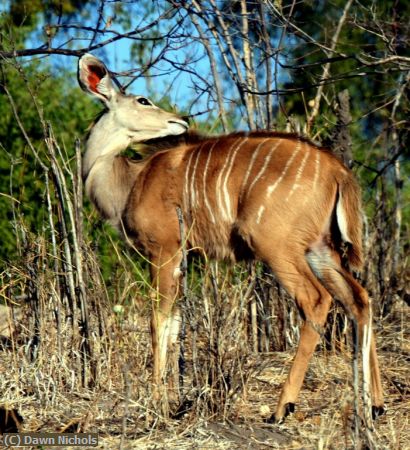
(93,77)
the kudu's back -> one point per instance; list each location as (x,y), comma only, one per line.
(244,195)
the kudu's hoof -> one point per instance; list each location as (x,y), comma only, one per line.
(289,409)
(378,411)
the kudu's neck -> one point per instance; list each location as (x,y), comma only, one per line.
(108,177)
(105,141)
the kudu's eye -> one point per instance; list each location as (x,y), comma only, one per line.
(144,101)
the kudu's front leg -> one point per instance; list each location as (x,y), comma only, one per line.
(165,317)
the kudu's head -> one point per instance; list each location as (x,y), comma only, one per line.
(133,116)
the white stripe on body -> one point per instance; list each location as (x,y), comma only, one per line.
(260,213)
(252,162)
(186,196)
(273,187)
(218,195)
(317,168)
(194,201)
(299,173)
(206,200)
(264,167)
(225,183)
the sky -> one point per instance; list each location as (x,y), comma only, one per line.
(178,87)
(117,57)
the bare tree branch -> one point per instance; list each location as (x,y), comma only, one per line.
(212,60)
(326,68)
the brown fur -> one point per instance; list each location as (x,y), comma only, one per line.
(216,239)
(193,137)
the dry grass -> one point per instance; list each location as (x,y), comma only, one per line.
(49,392)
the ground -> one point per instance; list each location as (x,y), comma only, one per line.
(120,411)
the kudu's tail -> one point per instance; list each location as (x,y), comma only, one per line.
(350,220)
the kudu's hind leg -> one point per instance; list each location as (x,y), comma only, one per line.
(363,317)
(313,301)
(326,264)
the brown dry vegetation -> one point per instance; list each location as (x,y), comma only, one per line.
(79,360)
(49,395)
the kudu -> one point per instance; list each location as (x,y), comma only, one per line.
(273,196)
